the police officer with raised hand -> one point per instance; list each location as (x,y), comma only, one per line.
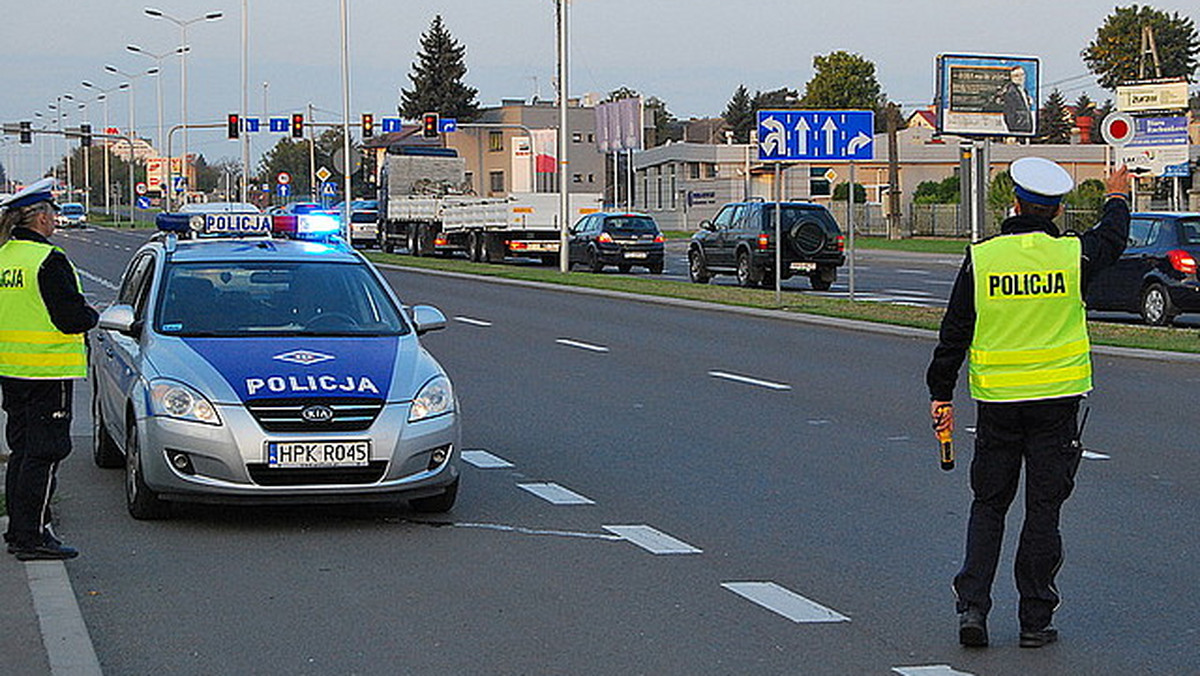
(43,316)
(1017,308)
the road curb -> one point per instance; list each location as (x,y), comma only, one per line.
(796,317)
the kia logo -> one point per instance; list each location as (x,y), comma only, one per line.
(317,414)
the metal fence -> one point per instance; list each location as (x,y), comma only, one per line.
(942,220)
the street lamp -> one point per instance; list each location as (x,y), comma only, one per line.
(104,97)
(158,59)
(183,24)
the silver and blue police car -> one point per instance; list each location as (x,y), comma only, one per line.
(244,367)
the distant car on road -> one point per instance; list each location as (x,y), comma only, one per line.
(617,238)
(740,241)
(364,221)
(1156,276)
(72,215)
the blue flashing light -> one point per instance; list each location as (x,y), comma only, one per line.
(179,223)
(317,225)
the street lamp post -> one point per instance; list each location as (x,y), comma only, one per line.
(564,199)
(158,59)
(183,25)
(132,120)
(107,151)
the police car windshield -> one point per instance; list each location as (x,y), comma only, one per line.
(232,299)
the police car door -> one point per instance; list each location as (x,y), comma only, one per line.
(120,363)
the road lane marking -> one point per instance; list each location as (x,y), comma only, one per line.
(747,380)
(583,346)
(97,279)
(819,421)
(555,494)
(931,670)
(485,460)
(910,271)
(472,321)
(652,540)
(533,531)
(784,602)
(1092,455)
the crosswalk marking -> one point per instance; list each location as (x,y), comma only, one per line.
(555,494)
(652,540)
(785,602)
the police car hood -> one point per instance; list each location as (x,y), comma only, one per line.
(230,370)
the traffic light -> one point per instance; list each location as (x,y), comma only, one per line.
(297,125)
(368,125)
(235,126)
(26,132)
(85,134)
(429,125)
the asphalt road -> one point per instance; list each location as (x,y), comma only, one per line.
(782,458)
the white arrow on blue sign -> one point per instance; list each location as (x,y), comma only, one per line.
(250,124)
(279,125)
(284,189)
(447,125)
(143,202)
(798,135)
(329,188)
(390,125)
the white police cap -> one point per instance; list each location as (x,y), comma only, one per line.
(1040,181)
(38,191)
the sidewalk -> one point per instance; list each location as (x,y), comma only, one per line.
(21,640)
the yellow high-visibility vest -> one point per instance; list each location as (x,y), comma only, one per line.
(1031,340)
(31,346)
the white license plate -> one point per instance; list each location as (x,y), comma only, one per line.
(803,266)
(542,247)
(348,453)
(635,254)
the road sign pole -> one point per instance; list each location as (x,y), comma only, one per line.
(850,224)
(778,238)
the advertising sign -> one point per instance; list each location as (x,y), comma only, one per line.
(1152,96)
(1159,147)
(988,95)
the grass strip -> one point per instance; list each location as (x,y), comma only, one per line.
(1167,339)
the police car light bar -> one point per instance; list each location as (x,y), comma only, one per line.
(311,226)
(236,225)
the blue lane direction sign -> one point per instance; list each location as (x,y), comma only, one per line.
(143,202)
(799,135)
(284,189)
(447,125)
(279,125)
(179,183)
(390,125)
(250,124)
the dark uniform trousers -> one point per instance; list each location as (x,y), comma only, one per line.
(1044,435)
(39,438)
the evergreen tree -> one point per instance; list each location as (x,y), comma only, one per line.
(437,78)
(1054,123)
(1102,111)
(1115,55)
(739,115)
(1084,106)
(776,99)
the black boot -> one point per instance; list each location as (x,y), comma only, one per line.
(972,628)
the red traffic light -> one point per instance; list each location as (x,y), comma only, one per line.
(235,126)
(429,125)
(368,125)
(297,125)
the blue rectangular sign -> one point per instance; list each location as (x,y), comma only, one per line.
(447,125)
(799,135)
(250,124)
(1159,131)
(279,125)
(390,125)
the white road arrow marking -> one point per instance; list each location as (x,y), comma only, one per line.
(803,129)
(860,141)
(830,127)
(775,142)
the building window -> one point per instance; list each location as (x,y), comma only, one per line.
(673,195)
(577,137)
(818,184)
(577,178)
(495,141)
(497,181)
(591,178)
(710,170)
(469,179)
(591,138)
(694,170)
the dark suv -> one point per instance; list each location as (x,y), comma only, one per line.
(1156,277)
(739,241)
(620,239)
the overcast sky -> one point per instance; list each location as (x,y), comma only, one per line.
(691,53)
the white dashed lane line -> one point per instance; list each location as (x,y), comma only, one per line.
(785,602)
(652,540)
(97,279)
(555,494)
(581,345)
(472,321)
(747,380)
(931,670)
(1092,455)
(485,460)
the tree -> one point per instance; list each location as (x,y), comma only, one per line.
(1000,193)
(1115,55)
(844,81)
(1102,111)
(739,115)
(1054,123)
(841,192)
(946,191)
(437,78)
(776,99)
(1084,106)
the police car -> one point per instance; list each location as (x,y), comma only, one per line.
(240,366)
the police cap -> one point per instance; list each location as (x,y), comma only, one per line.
(38,191)
(1040,181)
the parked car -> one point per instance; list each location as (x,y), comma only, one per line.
(72,215)
(616,238)
(1156,276)
(740,241)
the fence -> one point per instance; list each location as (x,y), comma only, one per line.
(942,220)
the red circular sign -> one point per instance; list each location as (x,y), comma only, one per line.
(284,178)
(1117,129)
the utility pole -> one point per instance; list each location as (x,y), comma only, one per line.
(893,212)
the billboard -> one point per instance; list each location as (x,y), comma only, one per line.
(988,95)
(1152,96)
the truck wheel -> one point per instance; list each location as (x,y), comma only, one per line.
(413,241)
(1156,308)
(624,268)
(655,268)
(385,244)
(473,253)
(493,248)
(747,274)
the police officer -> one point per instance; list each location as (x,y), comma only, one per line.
(43,317)
(1017,307)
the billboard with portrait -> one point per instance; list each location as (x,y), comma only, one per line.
(988,95)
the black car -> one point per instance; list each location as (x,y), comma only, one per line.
(621,239)
(739,241)
(1156,276)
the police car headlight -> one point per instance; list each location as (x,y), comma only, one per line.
(176,400)
(436,398)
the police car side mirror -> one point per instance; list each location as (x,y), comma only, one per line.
(427,318)
(119,318)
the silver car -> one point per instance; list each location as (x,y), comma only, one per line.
(252,369)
